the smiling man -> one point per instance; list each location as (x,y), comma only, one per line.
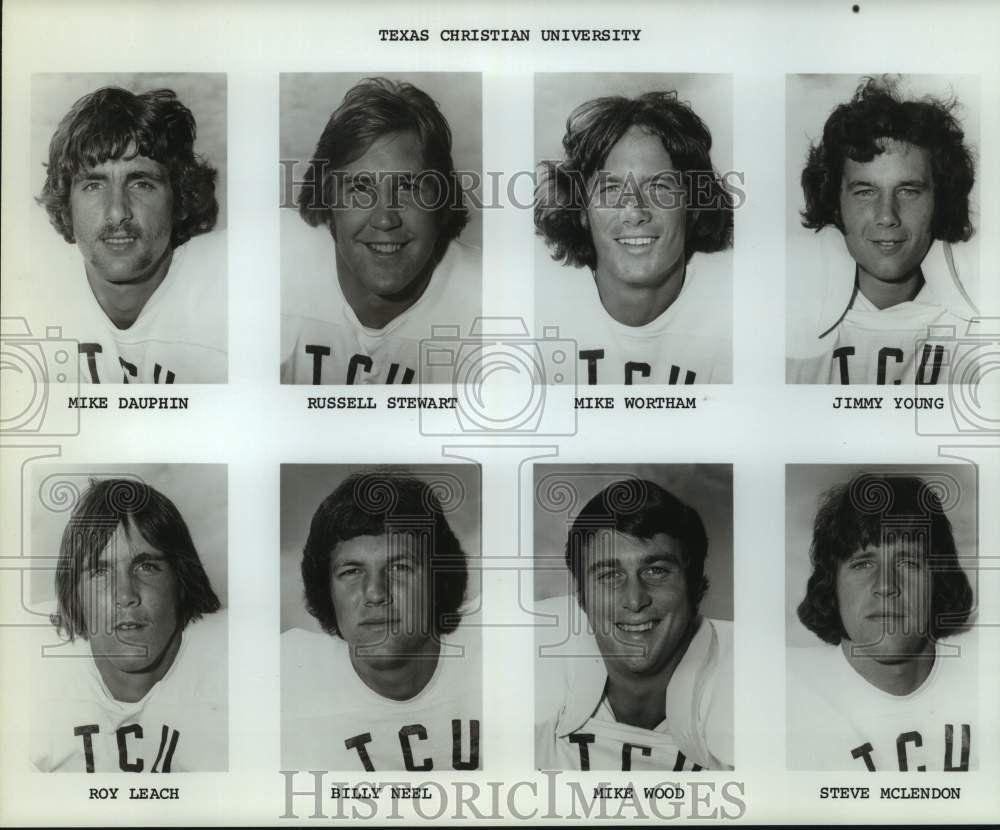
(888,185)
(632,203)
(887,691)
(124,184)
(646,680)
(379,262)
(395,682)
(140,683)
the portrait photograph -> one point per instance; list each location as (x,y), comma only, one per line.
(881,590)
(381,226)
(883,224)
(634,201)
(125,252)
(381,626)
(633,617)
(132,594)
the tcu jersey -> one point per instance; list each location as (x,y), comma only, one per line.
(575,727)
(837,336)
(179,336)
(331,720)
(181,725)
(322,340)
(885,346)
(689,343)
(839,721)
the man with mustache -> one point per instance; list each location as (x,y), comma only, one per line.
(124,183)
(893,688)
(645,681)
(887,191)
(395,682)
(377,263)
(140,684)
(635,207)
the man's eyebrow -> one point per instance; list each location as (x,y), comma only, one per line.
(149,556)
(155,175)
(663,556)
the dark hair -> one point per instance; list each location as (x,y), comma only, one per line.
(373,108)
(113,123)
(642,509)
(859,129)
(853,516)
(116,502)
(592,130)
(372,504)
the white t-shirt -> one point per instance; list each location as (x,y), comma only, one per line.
(322,340)
(837,720)
(576,729)
(885,346)
(180,335)
(836,335)
(181,725)
(331,720)
(690,342)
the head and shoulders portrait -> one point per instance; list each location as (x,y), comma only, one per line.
(129,254)
(380,242)
(633,663)
(634,217)
(882,658)
(381,665)
(134,674)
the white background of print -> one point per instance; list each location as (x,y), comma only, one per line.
(253,425)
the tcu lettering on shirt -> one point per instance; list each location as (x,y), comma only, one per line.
(634,371)
(130,372)
(583,741)
(909,744)
(126,737)
(890,363)
(358,366)
(410,738)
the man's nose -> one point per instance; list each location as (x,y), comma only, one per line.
(635,597)
(385,215)
(118,206)
(887,215)
(886,581)
(376,590)
(635,210)
(125,591)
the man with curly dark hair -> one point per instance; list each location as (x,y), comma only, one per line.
(890,689)
(890,179)
(125,185)
(630,206)
(378,262)
(395,681)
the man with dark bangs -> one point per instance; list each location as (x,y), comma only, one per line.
(888,185)
(395,682)
(378,262)
(645,682)
(140,684)
(633,201)
(124,184)
(895,686)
